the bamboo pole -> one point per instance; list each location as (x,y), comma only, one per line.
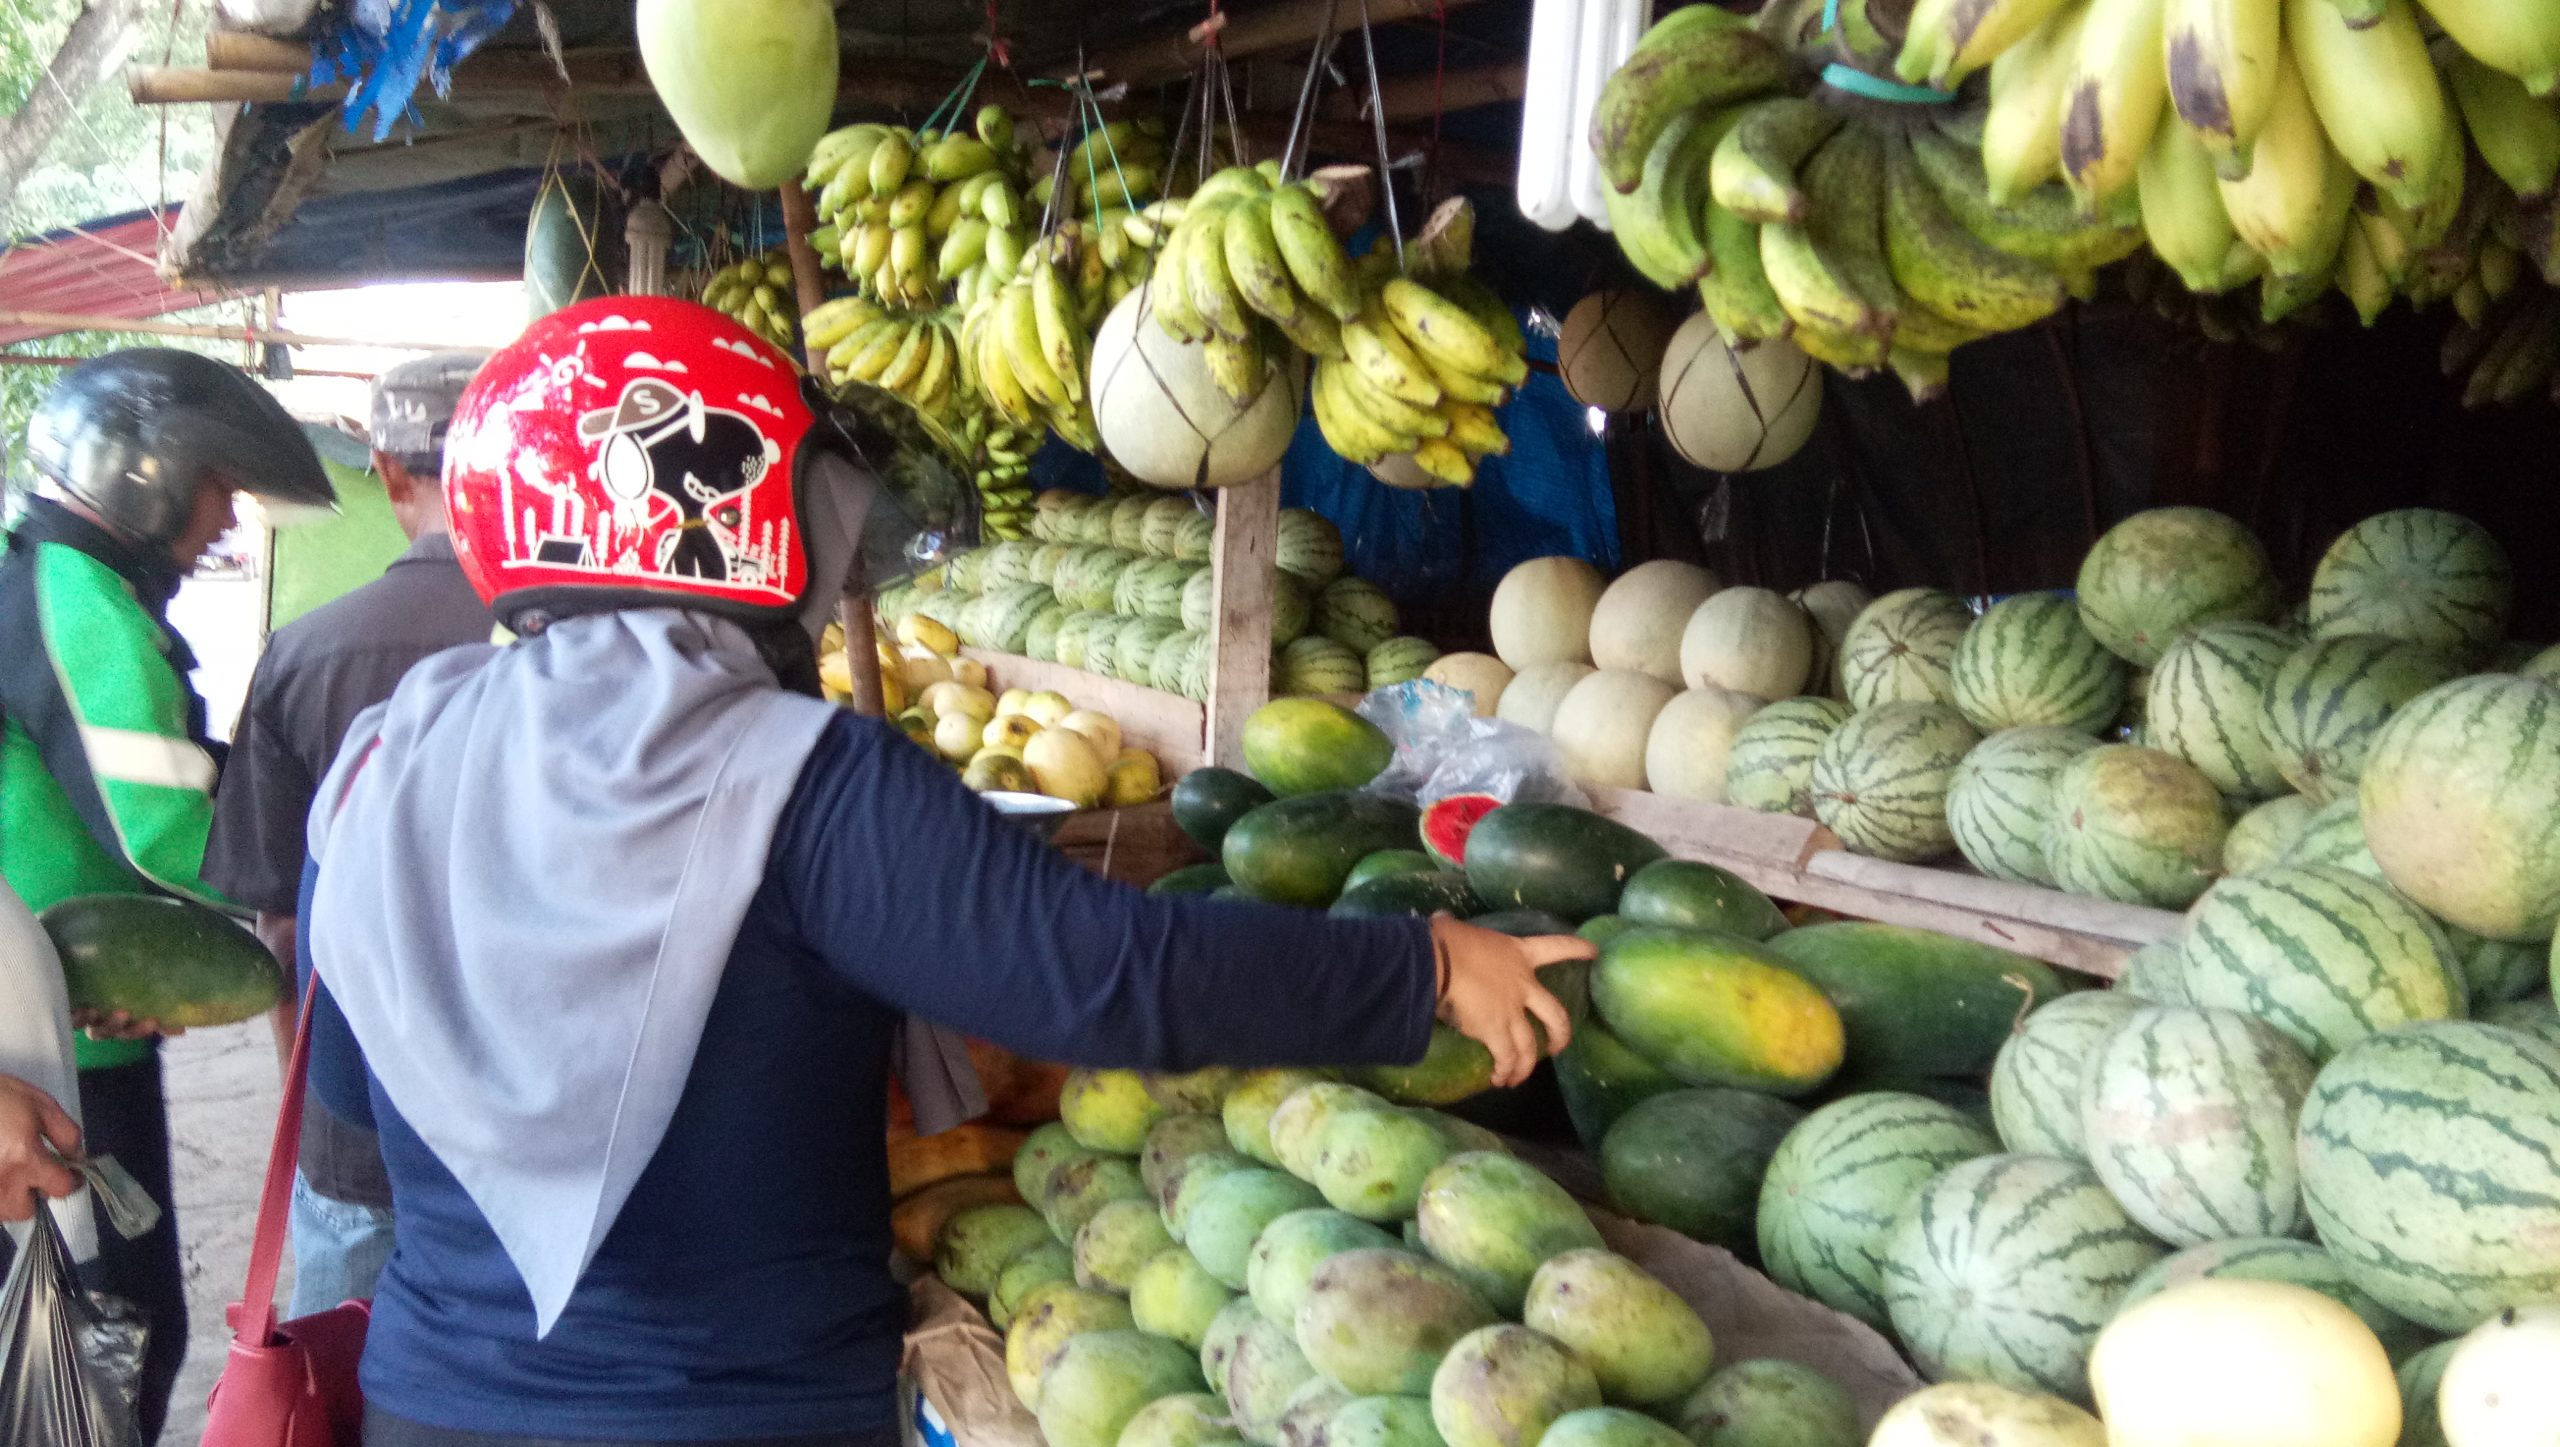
(22,359)
(1419,97)
(239,50)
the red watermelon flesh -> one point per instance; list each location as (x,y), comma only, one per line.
(1447,823)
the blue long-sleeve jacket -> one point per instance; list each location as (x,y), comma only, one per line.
(745,1291)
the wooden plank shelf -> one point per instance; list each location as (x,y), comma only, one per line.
(1797,860)
(1169,726)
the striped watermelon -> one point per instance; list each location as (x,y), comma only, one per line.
(2544,665)
(1006,563)
(2461,802)
(2431,578)
(1881,780)
(1164,518)
(1316,664)
(1200,600)
(2324,955)
(1900,648)
(1133,584)
(2188,1117)
(2272,1258)
(1309,547)
(1133,649)
(2004,1269)
(2161,572)
(1293,606)
(2002,799)
(2260,838)
(1196,540)
(1129,521)
(1172,661)
(965,571)
(2334,835)
(1044,563)
(1770,767)
(1001,618)
(2209,705)
(1838,1181)
(2036,1077)
(2030,663)
(2421,1380)
(2136,825)
(2533,1015)
(2502,970)
(1040,640)
(2431,1166)
(2156,973)
(1075,637)
(1400,660)
(2332,696)
(1356,613)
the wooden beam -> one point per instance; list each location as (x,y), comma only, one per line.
(1419,97)
(1170,54)
(201,331)
(1245,553)
(484,76)
(21,359)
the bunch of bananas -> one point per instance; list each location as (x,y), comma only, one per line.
(1002,473)
(1426,356)
(2297,144)
(1111,170)
(758,292)
(2510,351)
(1255,264)
(1870,239)
(912,355)
(910,216)
(1025,346)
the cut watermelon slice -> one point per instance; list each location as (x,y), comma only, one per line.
(1448,822)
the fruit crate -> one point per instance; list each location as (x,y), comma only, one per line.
(1797,860)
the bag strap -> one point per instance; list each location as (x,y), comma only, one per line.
(254,1320)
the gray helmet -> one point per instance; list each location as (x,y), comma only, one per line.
(134,434)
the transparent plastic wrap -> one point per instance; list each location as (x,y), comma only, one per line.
(69,1362)
(1443,749)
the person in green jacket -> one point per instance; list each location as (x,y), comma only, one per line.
(106,772)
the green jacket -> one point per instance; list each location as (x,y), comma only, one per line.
(106,781)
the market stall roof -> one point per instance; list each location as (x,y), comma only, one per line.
(104,269)
(296,197)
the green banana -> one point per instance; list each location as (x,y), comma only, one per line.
(1169,285)
(1736,290)
(2360,277)
(1831,272)
(1724,61)
(2044,225)
(2518,133)
(1213,292)
(1753,173)
(1254,264)
(1937,261)
(1641,219)
(2520,37)
(1316,260)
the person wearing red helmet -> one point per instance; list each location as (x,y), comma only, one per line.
(621,920)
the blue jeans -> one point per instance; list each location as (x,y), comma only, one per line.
(339,1250)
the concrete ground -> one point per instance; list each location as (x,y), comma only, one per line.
(222,1113)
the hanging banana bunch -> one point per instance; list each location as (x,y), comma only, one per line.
(1427,353)
(759,293)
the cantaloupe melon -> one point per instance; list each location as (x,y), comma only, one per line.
(1604,723)
(1536,692)
(1542,612)
(2229,1362)
(1749,640)
(1693,741)
(1638,623)
(1479,674)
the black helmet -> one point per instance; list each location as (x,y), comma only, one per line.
(133,434)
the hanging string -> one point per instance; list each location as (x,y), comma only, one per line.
(1439,100)
(1302,121)
(1378,115)
(1840,76)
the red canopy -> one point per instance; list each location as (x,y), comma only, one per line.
(103,268)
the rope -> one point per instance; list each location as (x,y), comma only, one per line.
(1840,76)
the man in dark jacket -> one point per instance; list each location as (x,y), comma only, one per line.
(318,673)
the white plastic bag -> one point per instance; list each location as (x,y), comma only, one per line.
(1443,749)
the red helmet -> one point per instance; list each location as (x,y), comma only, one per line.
(633,451)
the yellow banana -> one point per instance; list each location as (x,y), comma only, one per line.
(1383,356)
(1443,459)
(870,249)
(1442,332)
(2360,277)
(1474,428)
(1236,368)
(2221,57)
(2292,205)
(1062,340)
(1351,433)
(1463,387)
(889,162)
(1314,255)
(878,352)
(2375,92)
(834,321)
(1169,289)
(996,376)
(1255,266)
(2022,125)
(2115,96)
(2518,133)
(956,158)
(2183,216)
(1018,325)
(1408,422)
(1213,292)
(2520,37)
(1980,31)
(913,349)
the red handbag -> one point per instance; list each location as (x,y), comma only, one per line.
(288,1384)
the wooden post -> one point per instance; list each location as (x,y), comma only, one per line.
(1248,540)
(861,653)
